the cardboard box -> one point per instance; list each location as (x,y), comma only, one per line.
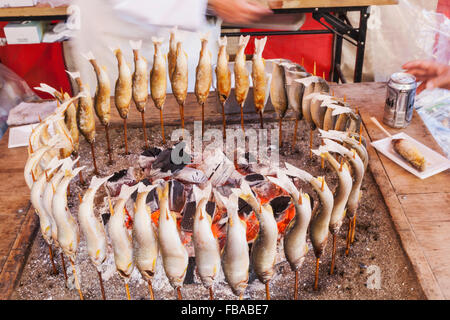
(24,32)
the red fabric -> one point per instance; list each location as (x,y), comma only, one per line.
(444,7)
(316,47)
(36,63)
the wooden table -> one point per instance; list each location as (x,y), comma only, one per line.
(33,13)
(420,209)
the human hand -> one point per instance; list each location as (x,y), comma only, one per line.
(238,11)
(431,73)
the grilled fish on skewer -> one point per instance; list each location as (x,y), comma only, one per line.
(68,233)
(321,221)
(295,246)
(145,237)
(241,76)
(278,94)
(318,109)
(158,81)
(410,153)
(259,77)
(70,118)
(180,79)
(358,175)
(30,170)
(206,246)
(203,76)
(140,83)
(264,248)
(334,110)
(172,55)
(173,252)
(120,236)
(235,257)
(223,76)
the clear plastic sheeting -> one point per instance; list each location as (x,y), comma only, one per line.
(13,90)
(433,107)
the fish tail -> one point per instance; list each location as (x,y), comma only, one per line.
(296,172)
(222,41)
(88,56)
(243,41)
(143,188)
(97,182)
(259,46)
(204,36)
(74,75)
(200,194)
(46,88)
(157,40)
(126,191)
(77,170)
(285,183)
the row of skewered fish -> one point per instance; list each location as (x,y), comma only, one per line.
(50,169)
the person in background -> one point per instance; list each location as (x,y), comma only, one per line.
(238,11)
(432,74)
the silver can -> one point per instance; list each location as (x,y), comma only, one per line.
(401,91)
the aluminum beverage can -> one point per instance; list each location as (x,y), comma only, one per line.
(401,91)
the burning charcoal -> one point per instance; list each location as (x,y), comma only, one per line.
(279,206)
(148,157)
(190,175)
(105,218)
(152,200)
(120,178)
(177,196)
(254,178)
(211,208)
(187,222)
(244,208)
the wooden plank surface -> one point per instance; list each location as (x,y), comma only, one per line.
(32,11)
(333,3)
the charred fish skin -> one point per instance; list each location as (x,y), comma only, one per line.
(203,76)
(235,256)
(140,79)
(264,249)
(68,232)
(278,94)
(173,252)
(91,227)
(206,246)
(144,235)
(120,236)
(158,80)
(223,73)
(172,55)
(295,245)
(241,75)
(124,86)
(259,75)
(70,118)
(180,75)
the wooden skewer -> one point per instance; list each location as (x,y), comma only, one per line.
(162,125)
(267,291)
(182,115)
(180,297)
(303,61)
(108,143)
(316,280)
(50,251)
(150,290)
(211,293)
(294,140)
(224,120)
(241,297)
(63,266)
(296,286)
(144,129)
(349,233)
(127,289)
(125,135)
(101,284)
(353,229)
(79,174)
(375,121)
(261,120)
(280,134)
(242,116)
(93,158)
(203,119)
(77,284)
(333,255)
(315,67)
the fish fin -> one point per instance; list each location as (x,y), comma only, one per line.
(88,55)
(157,40)
(76,171)
(126,191)
(296,172)
(285,183)
(46,88)
(200,194)
(205,36)
(74,75)
(136,45)
(259,46)
(97,182)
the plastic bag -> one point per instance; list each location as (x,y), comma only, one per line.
(13,90)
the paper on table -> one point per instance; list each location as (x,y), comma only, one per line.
(19,136)
(435,162)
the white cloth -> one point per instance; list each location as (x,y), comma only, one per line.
(112,23)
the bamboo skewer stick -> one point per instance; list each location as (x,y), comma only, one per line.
(261,120)
(267,291)
(224,120)
(203,119)
(93,158)
(316,279)
(242,116)
(182,115)
(296,286)
(77,284)
(241,297)
(127,289)
(125,135)
(349,233)
(211,293)
(108,143)
(353,229)
(80,174)
(101,284)
(63,266)
(162,125)
(144,129)
(150,290)
(50,251)
(180,297)
(280,134)
(333,255)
